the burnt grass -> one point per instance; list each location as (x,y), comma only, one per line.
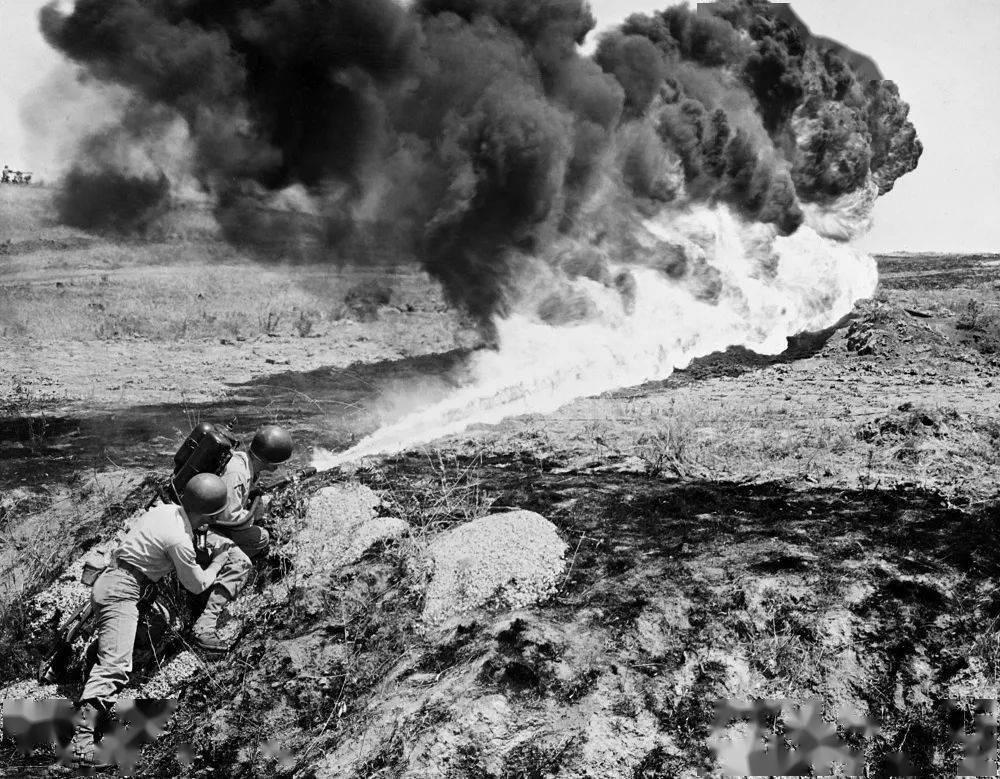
(921,619)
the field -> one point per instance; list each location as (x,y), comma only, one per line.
(820,524)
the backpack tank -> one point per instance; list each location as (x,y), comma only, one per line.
(190,444)
(207,450)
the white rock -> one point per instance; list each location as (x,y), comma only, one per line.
(512,559)
(339,526)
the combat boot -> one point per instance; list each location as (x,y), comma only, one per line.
(83,747)
(206,629)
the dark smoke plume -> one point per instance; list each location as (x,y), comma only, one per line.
(469,133)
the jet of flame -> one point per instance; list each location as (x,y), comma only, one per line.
(772,287)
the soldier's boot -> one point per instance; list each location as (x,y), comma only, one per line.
(206,629)
(83,746)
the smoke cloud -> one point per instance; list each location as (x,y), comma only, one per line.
(473,134)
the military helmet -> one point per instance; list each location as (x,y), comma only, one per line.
(205,494)
(272,444)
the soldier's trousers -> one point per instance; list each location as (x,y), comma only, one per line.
(250,541)
(115,597)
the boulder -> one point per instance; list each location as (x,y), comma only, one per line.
(507,560)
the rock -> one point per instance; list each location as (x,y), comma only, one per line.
(511,560)
(340,525)
(171,678)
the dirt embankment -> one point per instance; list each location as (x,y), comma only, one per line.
(674,594)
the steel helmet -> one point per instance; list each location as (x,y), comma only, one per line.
(272,444)
(205,494)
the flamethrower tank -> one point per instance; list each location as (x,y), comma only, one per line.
(206,450)
(190,444)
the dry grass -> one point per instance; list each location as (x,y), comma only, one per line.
(162,298)
(685,436)
(58,283)
(957,299)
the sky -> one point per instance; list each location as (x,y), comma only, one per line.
(944,56)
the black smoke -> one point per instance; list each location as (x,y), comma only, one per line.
(468,133)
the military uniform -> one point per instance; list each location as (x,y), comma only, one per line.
(160,541)
(237,524)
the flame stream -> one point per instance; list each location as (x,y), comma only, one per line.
(539,367)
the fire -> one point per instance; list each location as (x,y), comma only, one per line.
(769,288)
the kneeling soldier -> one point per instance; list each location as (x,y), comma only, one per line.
(160,541)
(270,446)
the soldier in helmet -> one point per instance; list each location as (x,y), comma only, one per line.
(160,541)
(270,446)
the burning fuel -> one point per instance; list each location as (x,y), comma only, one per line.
(751,288)
(605,219)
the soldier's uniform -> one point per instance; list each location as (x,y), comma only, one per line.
(271,445)
(236,523)
(160,541)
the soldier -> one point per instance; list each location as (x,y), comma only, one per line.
(6,175)
(160,541)
(270,446)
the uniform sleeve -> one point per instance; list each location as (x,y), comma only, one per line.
(237,483)
(191,575)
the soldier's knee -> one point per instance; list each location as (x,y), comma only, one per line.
(238,566)
(261,543)
(238,559)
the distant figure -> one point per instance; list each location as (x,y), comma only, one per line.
(11,176)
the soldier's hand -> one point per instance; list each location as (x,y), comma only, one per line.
(222,548)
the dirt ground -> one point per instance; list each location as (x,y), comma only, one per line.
(820,524)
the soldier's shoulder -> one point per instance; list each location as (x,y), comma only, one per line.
(167,517)
(238,464)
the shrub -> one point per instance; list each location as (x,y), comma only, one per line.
(363,299)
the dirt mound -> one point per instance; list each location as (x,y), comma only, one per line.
(909,421)
(890,332)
